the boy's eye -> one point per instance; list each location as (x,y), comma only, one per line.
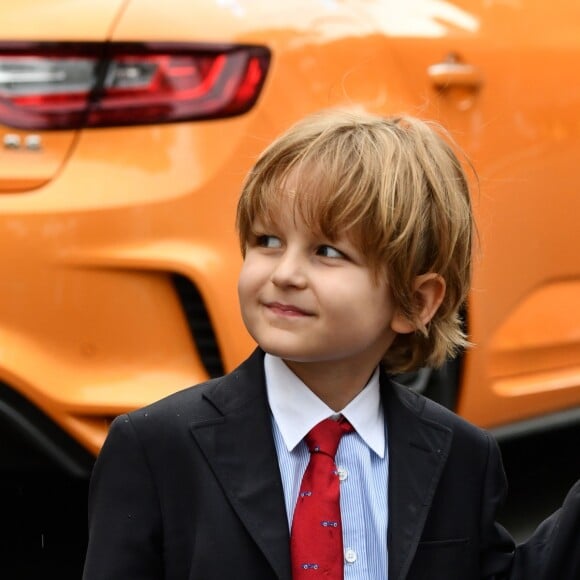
(329,252)
(265,241)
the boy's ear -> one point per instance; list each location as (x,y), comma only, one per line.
(429,293)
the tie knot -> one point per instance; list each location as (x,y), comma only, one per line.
(324,437)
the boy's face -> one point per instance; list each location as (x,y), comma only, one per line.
(308,300)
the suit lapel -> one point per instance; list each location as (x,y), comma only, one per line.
(418,449)
(235,435)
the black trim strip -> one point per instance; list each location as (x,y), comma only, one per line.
(566,418)
(200,325)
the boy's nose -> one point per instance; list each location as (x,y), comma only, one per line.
(289,271)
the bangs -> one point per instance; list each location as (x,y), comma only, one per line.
(330,184)
(327,204)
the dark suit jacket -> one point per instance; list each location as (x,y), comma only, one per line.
(189,488)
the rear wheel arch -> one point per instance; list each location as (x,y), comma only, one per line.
(32,442)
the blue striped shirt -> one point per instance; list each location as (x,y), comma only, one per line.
(361,459)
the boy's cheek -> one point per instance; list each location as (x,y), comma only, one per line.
(247,290)
(253,269)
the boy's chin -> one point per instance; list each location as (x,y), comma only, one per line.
(295,356)
(284,354)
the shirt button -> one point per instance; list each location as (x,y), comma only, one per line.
(350,555)
(342,473)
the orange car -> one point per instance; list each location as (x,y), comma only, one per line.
(127,127)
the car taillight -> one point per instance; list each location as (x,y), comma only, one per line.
(72,85)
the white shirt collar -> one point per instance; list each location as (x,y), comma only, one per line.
(297,409)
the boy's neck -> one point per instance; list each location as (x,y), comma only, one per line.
(334,383)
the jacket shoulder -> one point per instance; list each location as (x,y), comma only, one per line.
(437,414)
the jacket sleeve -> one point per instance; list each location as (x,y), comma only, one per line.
(553,550)
(124,512)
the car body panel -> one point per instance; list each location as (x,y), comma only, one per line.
(90,324)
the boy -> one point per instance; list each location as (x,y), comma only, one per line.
(356,233)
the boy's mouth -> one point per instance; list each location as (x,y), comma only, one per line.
(286,309)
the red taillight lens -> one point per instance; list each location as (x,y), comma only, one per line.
(67,86)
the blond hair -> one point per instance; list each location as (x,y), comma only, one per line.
(397,189)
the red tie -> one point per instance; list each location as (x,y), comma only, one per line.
(316,538)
